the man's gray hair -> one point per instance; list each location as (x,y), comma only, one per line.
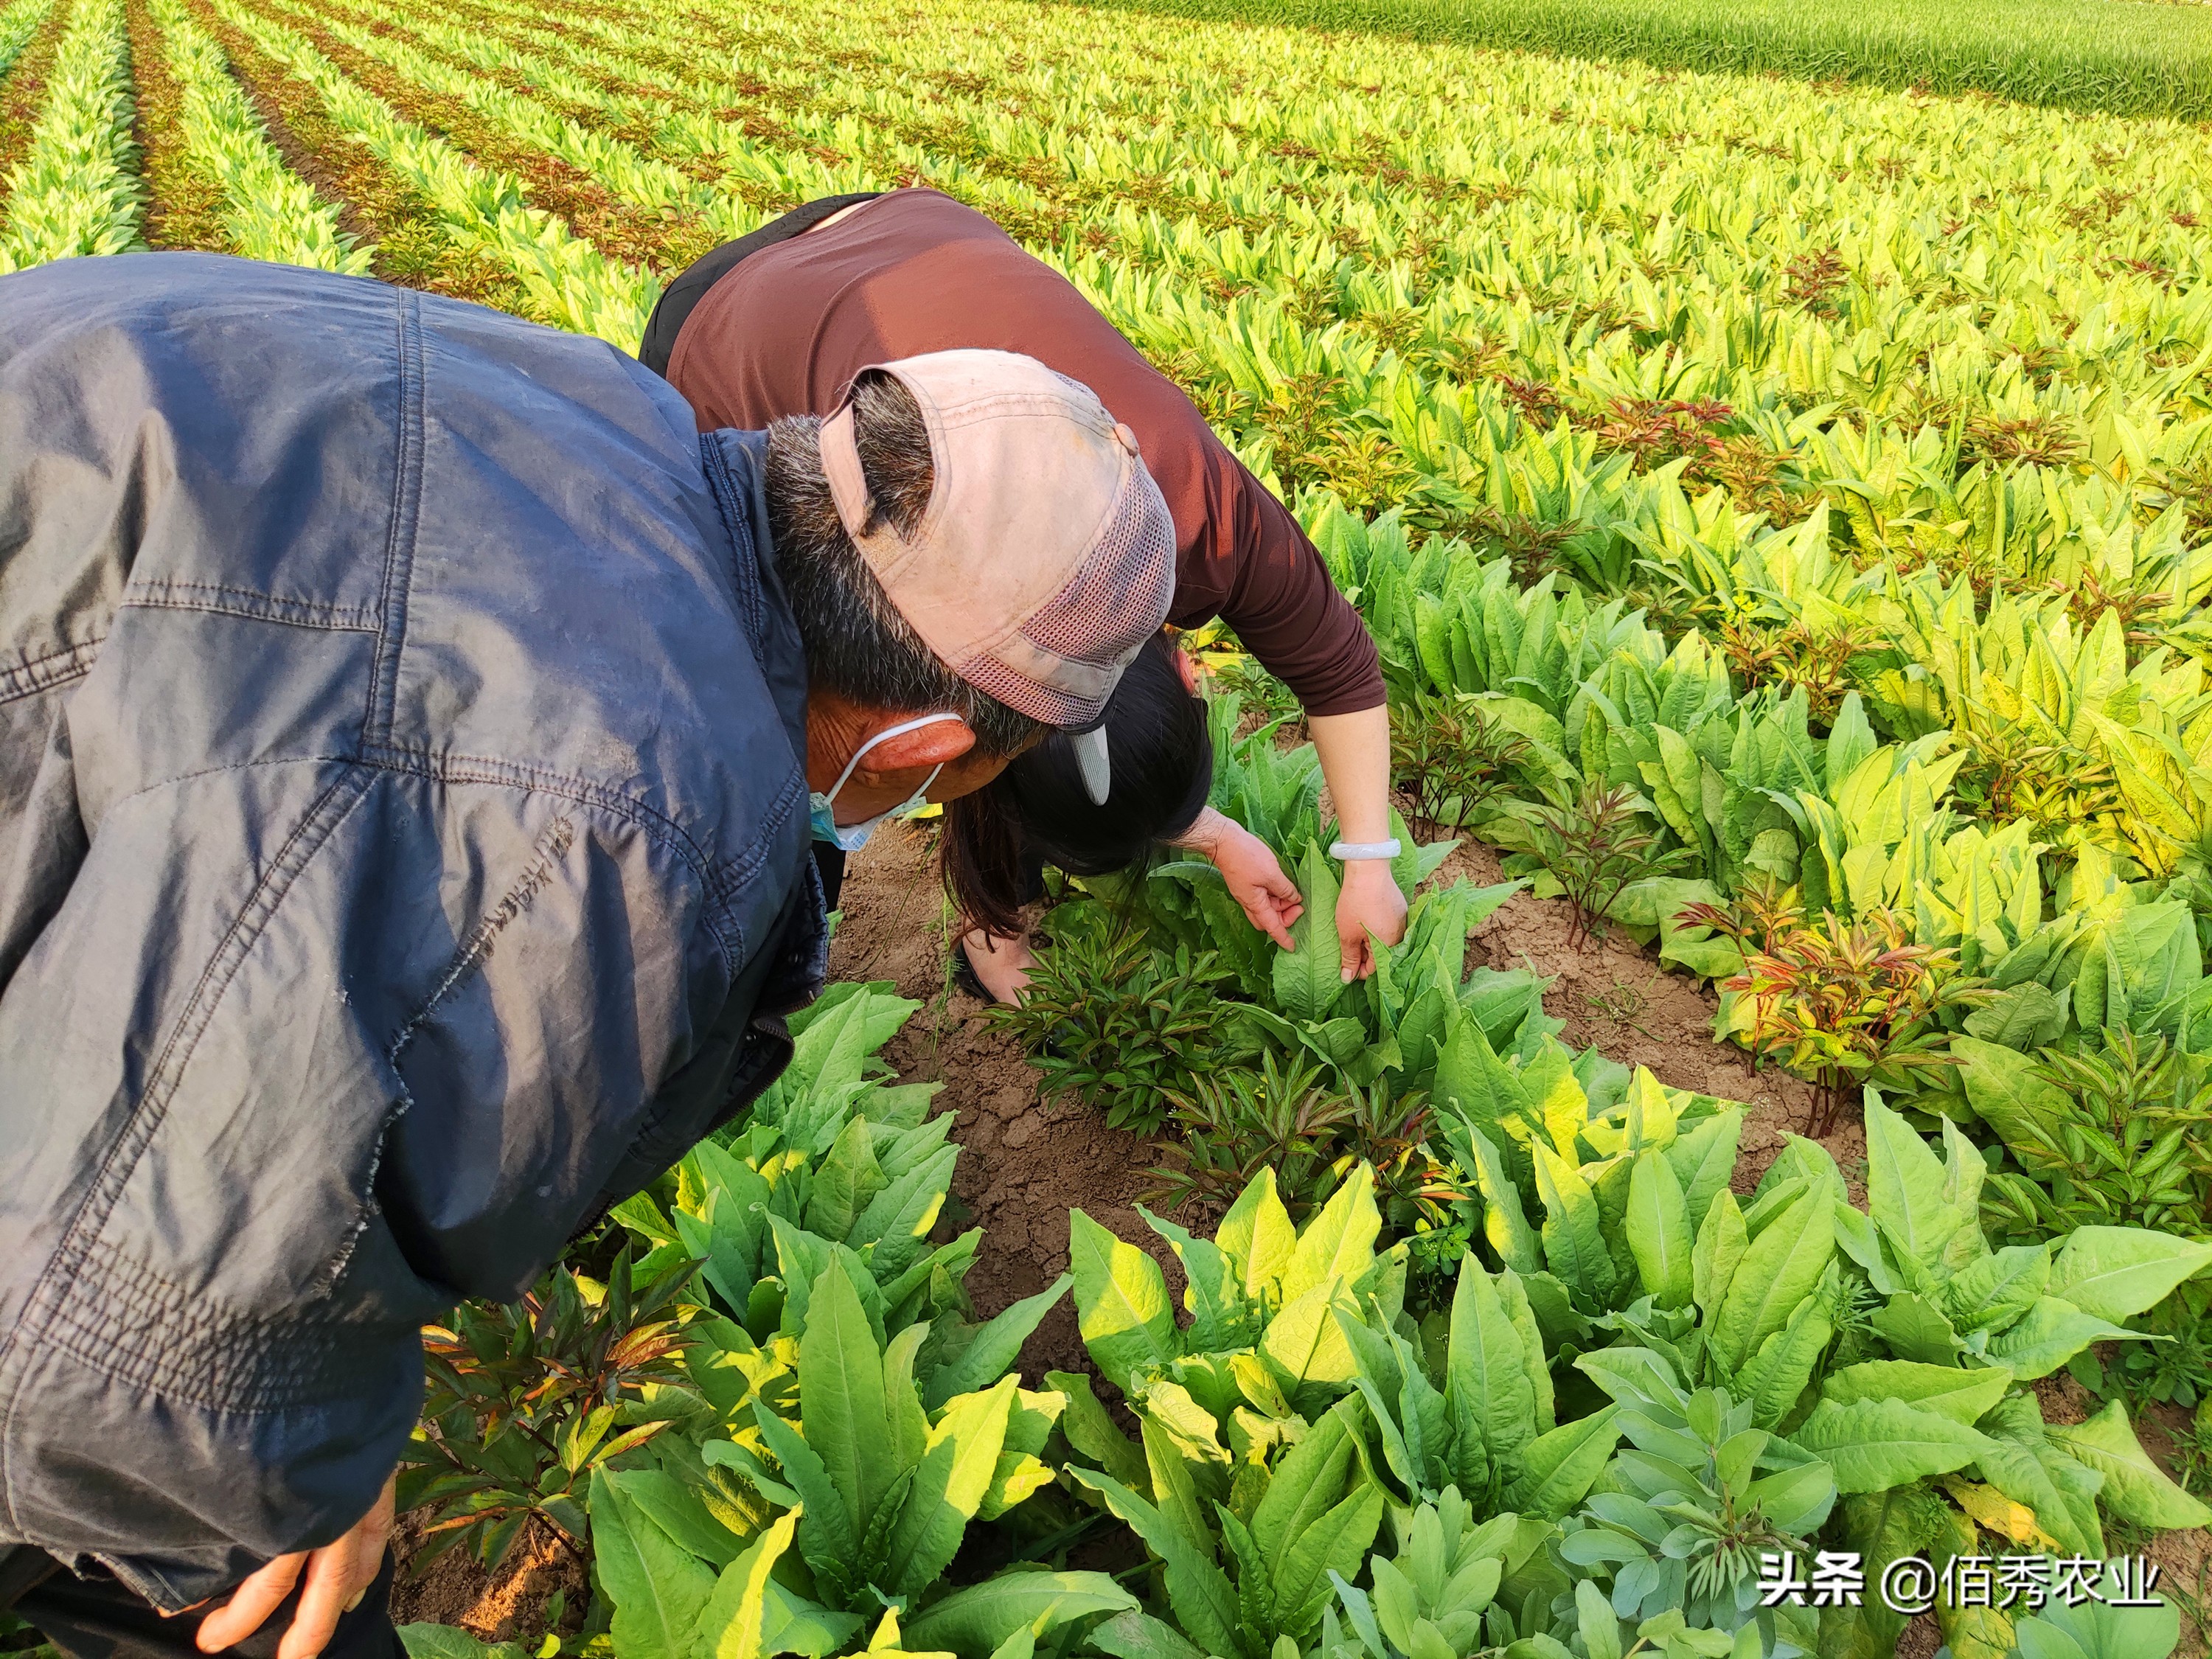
(857,644)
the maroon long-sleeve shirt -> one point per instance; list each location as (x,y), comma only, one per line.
(785,331)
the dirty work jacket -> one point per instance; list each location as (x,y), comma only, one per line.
(402,835)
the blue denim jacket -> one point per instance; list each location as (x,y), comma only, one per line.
(403,833)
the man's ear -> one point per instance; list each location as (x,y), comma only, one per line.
(937,744)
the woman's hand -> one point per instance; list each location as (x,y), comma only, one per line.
(337,1577)
(1368,907)
(1254,876)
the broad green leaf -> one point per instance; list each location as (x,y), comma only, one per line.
(1703,1160)
(1915,1328)
(1141,1636)
(1309,976)
(1558,1468)
(1658,1226)
(1257,1235)
(1881,1527)
(1338,1245)
(1488,1394)
(1505,1223)
(2115,1273)
(845,1182)
(1873,1445)
(898,1219)
(1120,1303)
(1778,1374)
(972,1622)
(1782,1264)
(2048,1335)
(1204,1600)
(994,1347)
(1993,1292)
(1573,1234)
(2097,1630)
(948,1486)
(1962,1396)
(827,1537)
(1333,1544)
(1720,1247)
(657,1588)
(1222,1317)
(750,1616)
(1308,1483)
(2135,1489)
(1171,1475)
(841,1389)
(677,1511)
(1091,1432)
(1904,1187)
(1302,1343)
(1513,1290)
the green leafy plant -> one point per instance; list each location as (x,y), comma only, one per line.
(1233,1124)
(1843,1004)
(1594,844)
(2119,1134)
(1452,760)
(1795,656)
(1117,1025)
(526,1400)
(1682,1524)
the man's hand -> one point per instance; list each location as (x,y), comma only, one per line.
(337,1577)
(1254,876)
(1369,903)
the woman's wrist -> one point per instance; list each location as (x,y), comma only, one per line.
(1205,833)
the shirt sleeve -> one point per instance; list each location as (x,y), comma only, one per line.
(1258,571)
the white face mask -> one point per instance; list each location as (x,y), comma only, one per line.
(852,837)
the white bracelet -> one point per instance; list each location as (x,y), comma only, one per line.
(1349,851)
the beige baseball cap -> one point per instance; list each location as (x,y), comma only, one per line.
(1046,557)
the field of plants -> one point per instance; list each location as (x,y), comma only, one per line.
(1786,512)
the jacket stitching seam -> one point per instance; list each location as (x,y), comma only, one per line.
(186,595)
(720,485)
(399,536)
(664,830)
(36,674)
(552,847)
(308,837)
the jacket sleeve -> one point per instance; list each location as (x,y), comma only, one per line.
(400,1031)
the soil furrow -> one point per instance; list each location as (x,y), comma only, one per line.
(22,93)
(373,203)
(184,207)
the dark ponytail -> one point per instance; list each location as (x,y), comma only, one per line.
(1037,812)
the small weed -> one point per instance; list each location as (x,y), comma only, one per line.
(1845,1004)
(523,1401)
(1594,843)
(1452,759)
(1117,1025)
(1622,1004)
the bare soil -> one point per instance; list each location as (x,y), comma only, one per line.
(512,1605)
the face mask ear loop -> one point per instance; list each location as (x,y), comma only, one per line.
(883,736)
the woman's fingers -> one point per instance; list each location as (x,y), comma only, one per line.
(250,1605)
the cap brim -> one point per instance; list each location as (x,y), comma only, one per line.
(1092,759)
